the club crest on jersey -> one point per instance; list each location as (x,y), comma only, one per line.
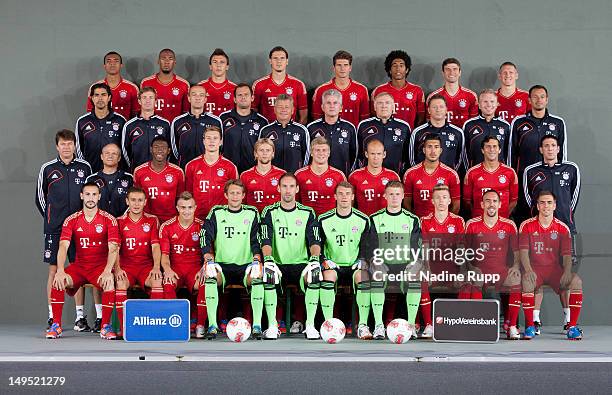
(274,181)
(554,235)
(404,226)
(115,126)
(220,172)
(296,137)
(256,126)
(566,175)
(398,132)
(226,95)
(146,228)
(552,127)
(353,96)
(344,134)
(99,228)
(47,254)
(246,221)
(175,91)
(501,234)
(501,131)
(462,103)
(502,179)
(298,222)
(518,102)
(195,236)
(289,91)
(329,182)
(440,181)
(409,96)
(451,137)
(169,178)
(384,180)
(451,228)
(124,183)
(122,94)
(354,229)
(80,173)
(160,130)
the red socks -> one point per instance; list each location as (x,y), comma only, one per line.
(120,297)
(169,291)
(57,305)
(528,303)
(202,313)
(468,291)
(157,293)
(425,304)
(108,302)
(514,305)
(575,304)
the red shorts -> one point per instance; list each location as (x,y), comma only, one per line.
(186,274)
(549,275)
(137,275)
(82,275)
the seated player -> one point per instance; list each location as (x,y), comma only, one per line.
(441,230)
(95,235)
(546,255)
(230,244)
(139,255)
(496,237)
(344,237)
(291,245)
(393,229)
(181,260)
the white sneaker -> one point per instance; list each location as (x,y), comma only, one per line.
(200,332)
(311,333)
(379,332)
(427,332)
(296,327)
(271,333)
(363,332)
(513,333)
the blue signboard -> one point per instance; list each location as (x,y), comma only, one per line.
(154,320)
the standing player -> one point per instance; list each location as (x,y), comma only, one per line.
(161,180)
(318,180)
(512,100)
(354,100)
(139,132)
(261,181)
(392,132)
(395,228)
(462,103)
(139,257)
(408,98)
(219,90)
(291,245)
(490,174)
(171,89)
(187,130)
(230,244)
(267,89)
(341,134)
(290,138)
(241,127)
(113,182)
(99,127)
(484,125)
(496,237)
(546,255)
(58,196)
(370,181)
(420,180)
(95,235)
(453,154)
(344,237)
(206,175)
(125,93)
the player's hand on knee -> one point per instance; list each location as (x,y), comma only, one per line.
(120,274)
(60,281)
(514,273)
(155,274)
(106,280)
(530,278)
(254,269)
(566,280)
(170,277)
(211,269)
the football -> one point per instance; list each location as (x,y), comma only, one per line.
(333,331)
(398,331)
(238,330)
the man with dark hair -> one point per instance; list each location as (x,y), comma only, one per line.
(355,100)
(219,90)
(512,100)
(58,196)
(409,99)
(241,127)
(124,92)
(268,88)
(461,102)
(171,89)
(99,127)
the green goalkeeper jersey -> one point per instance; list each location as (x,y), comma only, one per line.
(344,238)
(234,235)
(389,231)
(289,232)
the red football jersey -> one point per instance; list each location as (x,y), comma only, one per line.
(137,237)
(171,98)
(461,107)
(162,188)
(206,182)
(495,243)
(442,235)
(219,97)
(124,99)
(478,180)
(182,245)
(512,106)
(546,245)
(91,238)
(355,101)
(266,90)
(409,101)
(418,185)
(317,191)
(370,188)
(261,189)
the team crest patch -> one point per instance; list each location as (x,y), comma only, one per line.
(409,96)
(289,91)
(552,127)
(502,179)
(353,96)
(115,126)
(274,181)
(220,172)
(298,222)
(405,227)
(160,130)
(451,228)
(146,228)
(123,94)
(124,183)
(255,126)
(462,103)
(451,137)
(169,178)
(329,182)
(398,132)
(99,228)
(175,91)
(554,235)
(80,173)
(518,102)
(195,236)
(501,131)
(384,180)
(344,134)
(501,234)
(47,254)
(354,229)
(227,95)
(296,137)
(246,221)
(565,175)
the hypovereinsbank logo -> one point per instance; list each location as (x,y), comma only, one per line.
(465,321)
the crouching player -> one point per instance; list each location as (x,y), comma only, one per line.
(230,244)
(96,237)
(395,230)
(344,237)
(544,241)
(291,246)
(181,260)
(495,238)
(139,255)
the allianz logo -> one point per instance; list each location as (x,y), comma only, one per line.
(174,321)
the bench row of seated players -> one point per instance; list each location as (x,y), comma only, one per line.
(289,242)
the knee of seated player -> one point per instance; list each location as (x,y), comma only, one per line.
(330,275)
(153,283)
(528,286)
(361,275)
(576,283)
(109,287)
(512,281)
(122,285)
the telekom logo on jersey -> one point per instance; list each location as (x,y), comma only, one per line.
(538,246)
(204,185)
(130,242)
(258,196)
(84,241)
(153,192)
(369,194)
(313,195)
(178,248)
